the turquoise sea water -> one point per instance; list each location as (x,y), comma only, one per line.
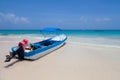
(104,37)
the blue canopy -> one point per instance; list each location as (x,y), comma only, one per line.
(51,29)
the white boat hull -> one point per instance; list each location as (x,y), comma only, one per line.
(34,57)
(59,41)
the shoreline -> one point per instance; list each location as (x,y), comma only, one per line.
(96,45)
(73,39)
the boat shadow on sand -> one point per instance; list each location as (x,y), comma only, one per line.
(17,61)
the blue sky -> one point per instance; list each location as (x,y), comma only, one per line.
(65,14)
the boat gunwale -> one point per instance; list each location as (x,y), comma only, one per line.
(40,50)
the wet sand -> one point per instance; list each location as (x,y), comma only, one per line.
(73,61)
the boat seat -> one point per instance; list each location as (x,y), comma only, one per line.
(47,43)
(35,46)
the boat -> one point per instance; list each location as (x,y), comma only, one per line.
(44,47)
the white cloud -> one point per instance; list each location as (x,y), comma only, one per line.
(13,19)
(83,19)
(89,20)
(106,19)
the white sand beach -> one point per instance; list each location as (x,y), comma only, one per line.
(73,61)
